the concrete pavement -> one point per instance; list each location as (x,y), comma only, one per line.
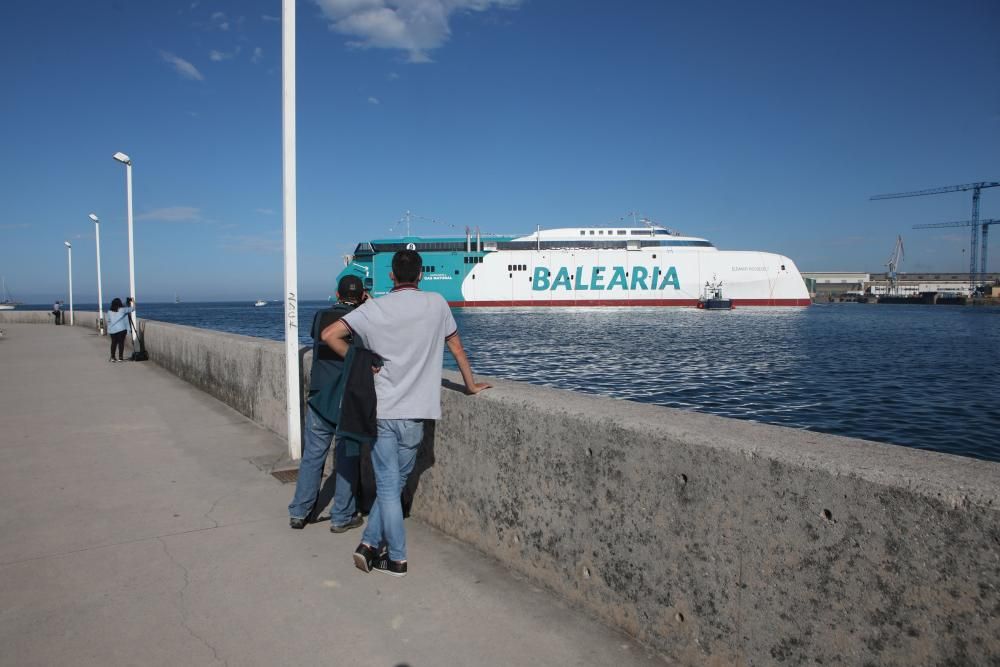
(134,530)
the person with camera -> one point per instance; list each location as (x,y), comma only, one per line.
(118,322)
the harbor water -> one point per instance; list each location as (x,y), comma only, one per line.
(918,376)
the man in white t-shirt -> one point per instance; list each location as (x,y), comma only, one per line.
(408,328)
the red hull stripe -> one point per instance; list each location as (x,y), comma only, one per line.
(690,303)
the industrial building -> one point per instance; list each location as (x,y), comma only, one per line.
(847,286)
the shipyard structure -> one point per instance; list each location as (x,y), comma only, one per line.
(907,287)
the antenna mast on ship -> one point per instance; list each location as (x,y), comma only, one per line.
(638,218)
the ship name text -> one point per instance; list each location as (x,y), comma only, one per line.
(600,279)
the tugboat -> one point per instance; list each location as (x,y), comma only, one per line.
(712,299)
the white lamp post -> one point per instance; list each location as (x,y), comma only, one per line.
(69,256)
(127,161)
(289,215)
(100,292)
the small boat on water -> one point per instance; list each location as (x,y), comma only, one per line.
(712,299)
(6,303)
(259,302)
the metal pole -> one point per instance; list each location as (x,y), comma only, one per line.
(131,253)
(289,213)
(974,242)
(100,291)
(69,255)
(982,252)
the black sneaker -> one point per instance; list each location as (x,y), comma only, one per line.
(296,523)
(355,522)
(363,557)
(396,568)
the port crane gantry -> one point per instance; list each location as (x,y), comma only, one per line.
(895,259)
(974,223)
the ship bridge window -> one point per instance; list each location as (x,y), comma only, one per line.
(642,232)
(591,232)
(428,269)
(698,244)
(473,260)
(622,232)
(583,232)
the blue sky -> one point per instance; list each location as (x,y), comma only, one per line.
(761,126)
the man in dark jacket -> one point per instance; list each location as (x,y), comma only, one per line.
(321,425)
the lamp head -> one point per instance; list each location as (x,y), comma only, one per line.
(93,216)
(68,244)
(121,157)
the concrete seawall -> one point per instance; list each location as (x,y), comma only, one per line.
(245,372)
(721,541)
(80,318)
(717,541)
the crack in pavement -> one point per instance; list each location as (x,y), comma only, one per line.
(180,603)
(137,540)
(208,514)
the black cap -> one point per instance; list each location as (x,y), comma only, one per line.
(350,288)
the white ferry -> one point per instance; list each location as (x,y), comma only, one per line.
(583,266)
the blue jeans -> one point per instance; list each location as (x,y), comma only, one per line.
(318,435)
(393,456)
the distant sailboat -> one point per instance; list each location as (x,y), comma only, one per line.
(6,303)
(176,298)
(259,302)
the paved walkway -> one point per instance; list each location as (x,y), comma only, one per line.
(135,531)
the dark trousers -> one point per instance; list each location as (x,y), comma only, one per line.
(118,340)
(57,314)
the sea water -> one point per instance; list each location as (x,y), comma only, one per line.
(918,376)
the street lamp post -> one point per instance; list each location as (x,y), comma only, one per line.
(127,161)
(69,256)
(288,179)
(100,292)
